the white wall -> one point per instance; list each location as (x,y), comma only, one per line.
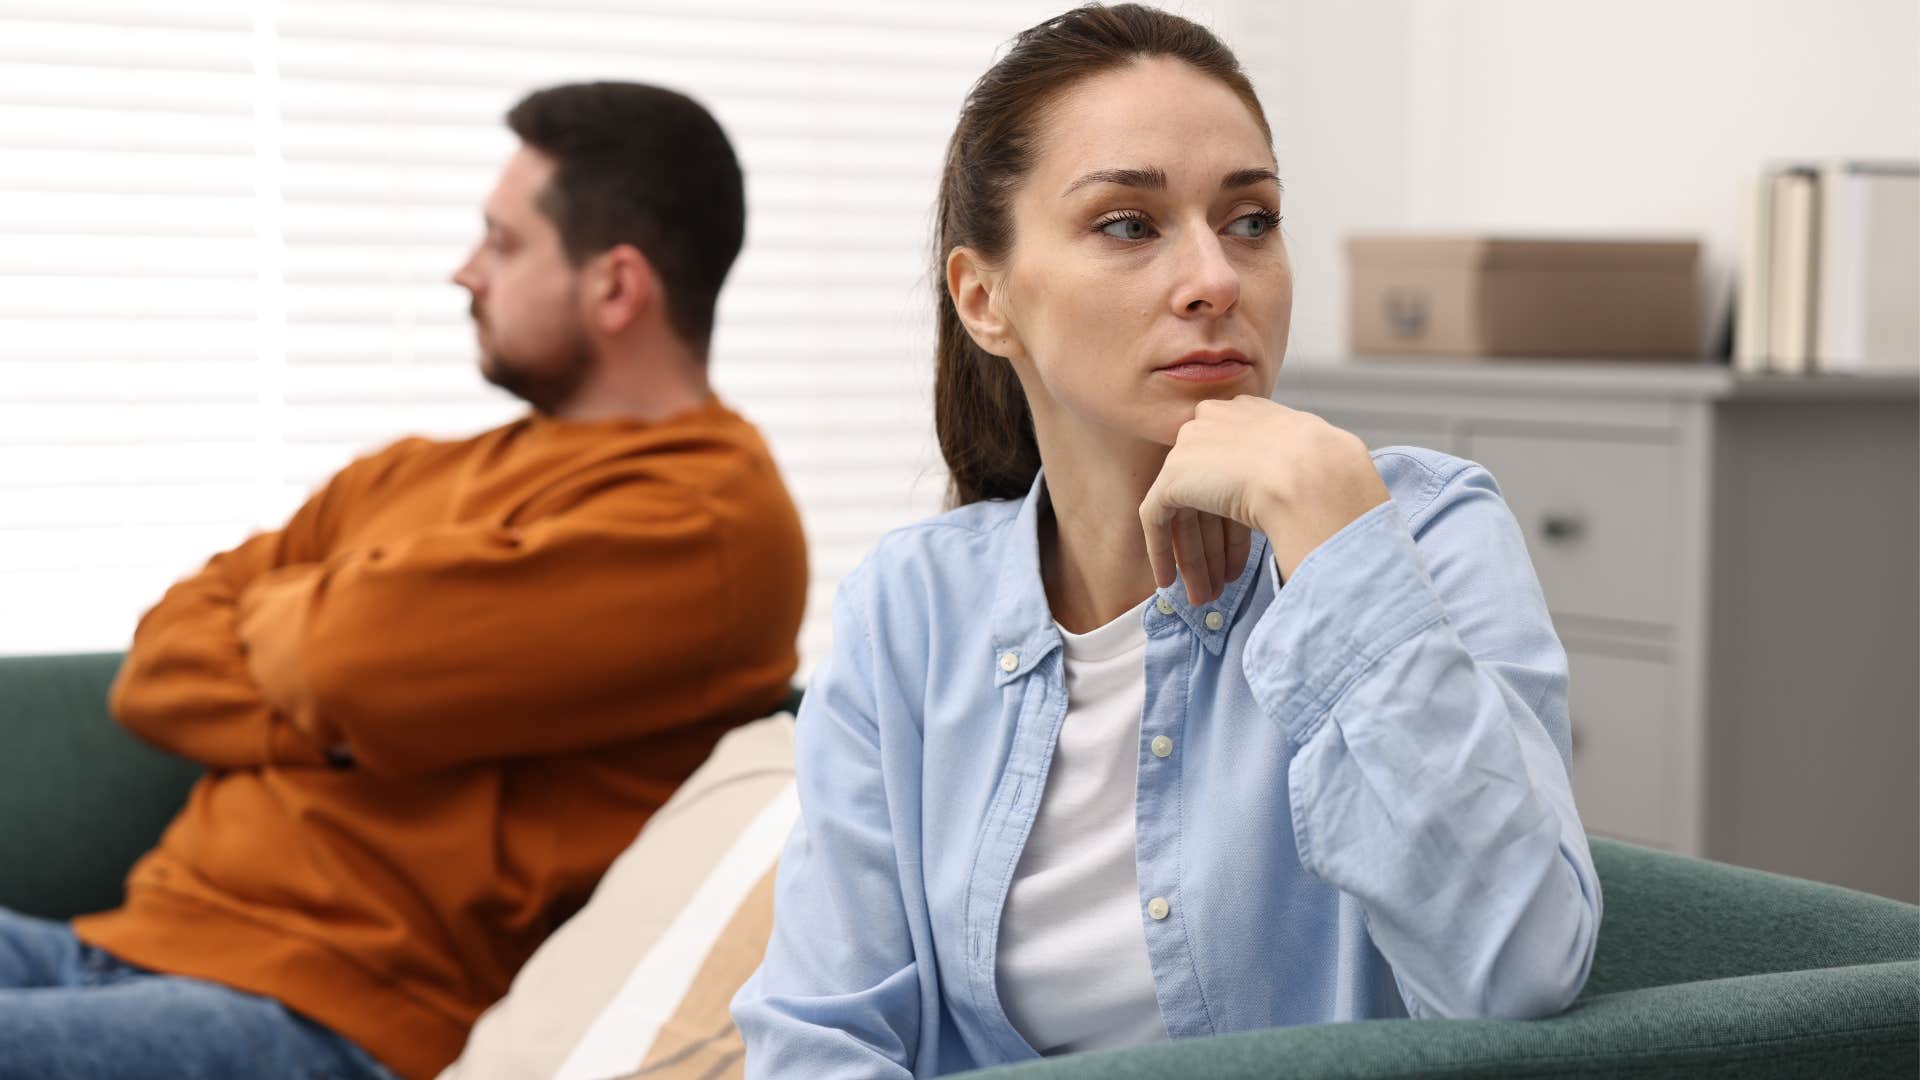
(134,439)
(1589,117)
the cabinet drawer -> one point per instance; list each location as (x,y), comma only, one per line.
(1623,746)
(1598,515)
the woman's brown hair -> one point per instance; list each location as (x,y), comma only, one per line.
(980,412)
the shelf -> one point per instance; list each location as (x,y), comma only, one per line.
(1619,378)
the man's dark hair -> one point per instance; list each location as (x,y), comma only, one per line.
(641,165)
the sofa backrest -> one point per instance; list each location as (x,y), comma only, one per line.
(80,798)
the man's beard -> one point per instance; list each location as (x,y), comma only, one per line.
(548,388)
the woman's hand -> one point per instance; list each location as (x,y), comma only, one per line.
(1245,464)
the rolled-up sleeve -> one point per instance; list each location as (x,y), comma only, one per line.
(1413,665)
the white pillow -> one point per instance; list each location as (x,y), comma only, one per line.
(640,978)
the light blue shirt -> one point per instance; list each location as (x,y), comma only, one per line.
(1365,811)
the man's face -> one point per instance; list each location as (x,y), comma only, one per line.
(525,307)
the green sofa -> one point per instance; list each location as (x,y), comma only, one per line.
(1704,970)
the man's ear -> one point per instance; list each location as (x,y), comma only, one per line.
(620,285)
(974,285)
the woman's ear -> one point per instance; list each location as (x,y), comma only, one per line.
(973,283)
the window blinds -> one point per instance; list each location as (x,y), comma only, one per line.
(130,259)
(226,230)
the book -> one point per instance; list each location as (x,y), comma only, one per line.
(1868,306)
(1753,294)
(1792,273)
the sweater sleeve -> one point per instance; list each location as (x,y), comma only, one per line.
(1425,693)
(185,685)
(598,624)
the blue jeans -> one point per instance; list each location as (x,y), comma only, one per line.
(69,1010)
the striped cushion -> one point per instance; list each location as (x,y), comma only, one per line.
(639,980)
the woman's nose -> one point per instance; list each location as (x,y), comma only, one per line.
(1208,283)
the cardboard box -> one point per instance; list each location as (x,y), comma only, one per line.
(1494,296)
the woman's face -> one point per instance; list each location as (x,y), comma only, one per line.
(1147,271)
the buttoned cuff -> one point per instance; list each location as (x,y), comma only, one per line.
(1351,601)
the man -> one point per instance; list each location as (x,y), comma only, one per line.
(437,704)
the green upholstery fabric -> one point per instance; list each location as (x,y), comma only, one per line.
(1703,970)
(1670,919)
(80,798)
(1842,1022)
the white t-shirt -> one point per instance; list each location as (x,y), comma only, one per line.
(1072,968)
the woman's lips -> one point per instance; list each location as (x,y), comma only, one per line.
(1205,370)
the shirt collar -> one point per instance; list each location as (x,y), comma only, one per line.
(1223,610)
(1023,627)
(1023,630)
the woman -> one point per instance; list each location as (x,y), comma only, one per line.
(1193,717)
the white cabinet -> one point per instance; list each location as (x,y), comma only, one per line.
(1624,745)
(1598,513)
(1734,566)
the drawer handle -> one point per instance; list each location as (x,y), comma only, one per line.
(1559,528)
(1406,312)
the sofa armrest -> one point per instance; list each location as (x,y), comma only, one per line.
(80,798)
(1848,1021)
(1673,919)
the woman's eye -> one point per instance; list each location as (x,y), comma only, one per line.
(1254,226)
(1127,228)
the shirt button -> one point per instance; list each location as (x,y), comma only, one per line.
(1215,621)
(1009,661)
(1162,746)
(1165,605)
(1157,908)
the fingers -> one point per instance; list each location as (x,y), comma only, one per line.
(1213,535)
(1204,550)
(1190,551)
(1239,546)
(1154,522)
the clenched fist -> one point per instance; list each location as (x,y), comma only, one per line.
(1246,464)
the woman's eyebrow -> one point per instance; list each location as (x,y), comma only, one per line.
(1135,178)
(1156,179)
(1248,178)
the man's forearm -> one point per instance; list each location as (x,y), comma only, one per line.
(185,685)
(269,622)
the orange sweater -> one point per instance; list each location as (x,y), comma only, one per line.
(438,704)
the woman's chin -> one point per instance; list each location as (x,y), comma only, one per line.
(1165,427)
(1189,393)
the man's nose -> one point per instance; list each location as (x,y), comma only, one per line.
(466,276)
